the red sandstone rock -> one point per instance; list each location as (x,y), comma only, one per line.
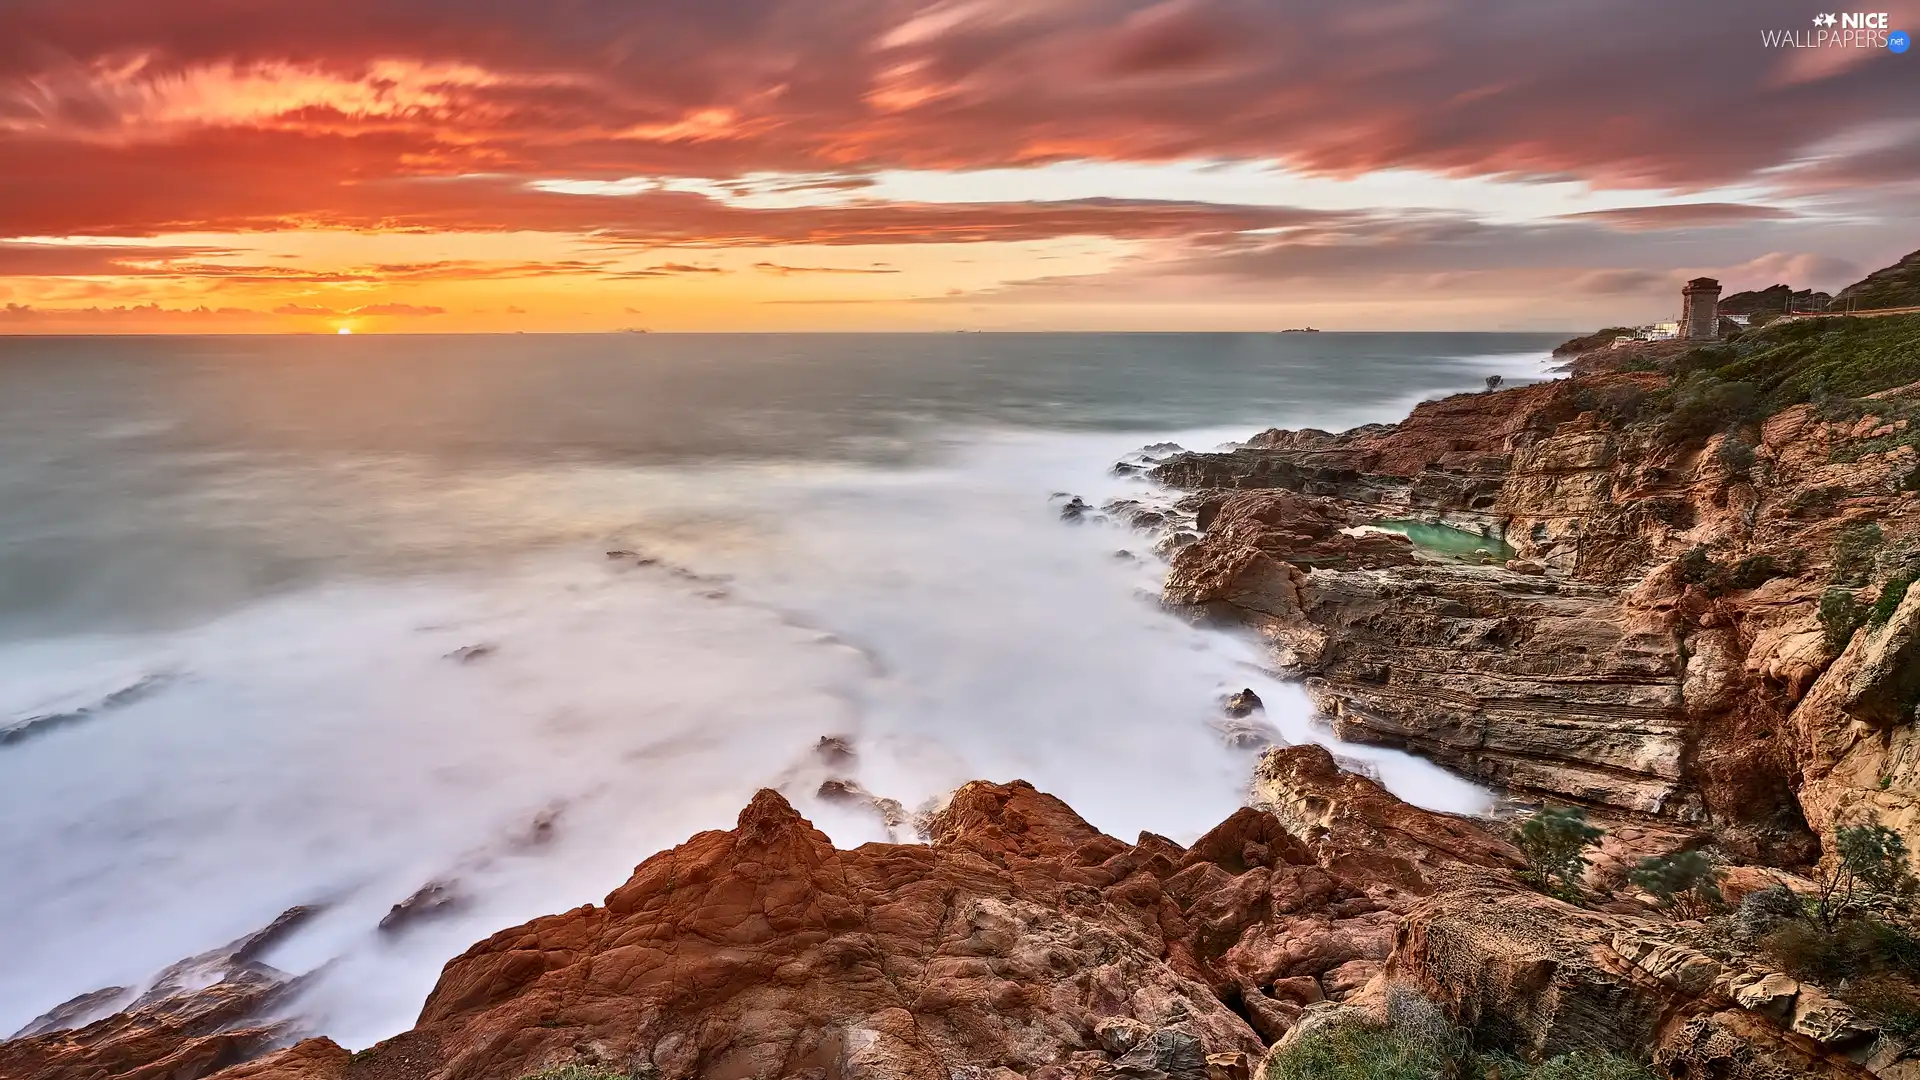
(199,1016)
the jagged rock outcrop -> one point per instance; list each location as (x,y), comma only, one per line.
(197,1017)
(1856,729)
(1021,942)
(1020,938)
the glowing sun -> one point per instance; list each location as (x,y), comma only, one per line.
(344,331)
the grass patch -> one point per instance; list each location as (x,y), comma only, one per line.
(578,1071)
(1579,1065)
(1355,1052)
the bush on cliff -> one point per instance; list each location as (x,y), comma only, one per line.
(1702,406)
(1891,595)
(1686,883)
(1579,1065)
(1840,616)
(1418,1042)
(1554,841)
(1855,551)
(1698,568)
(1868,861)
(1840,938)
(1359,1052)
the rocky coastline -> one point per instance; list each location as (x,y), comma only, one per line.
(1669,590)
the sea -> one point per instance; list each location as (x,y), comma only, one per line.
(324,620)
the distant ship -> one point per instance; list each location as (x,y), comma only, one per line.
(1300,330)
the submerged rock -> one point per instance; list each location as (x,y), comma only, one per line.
(432,899)
(834,750)
(1244,703)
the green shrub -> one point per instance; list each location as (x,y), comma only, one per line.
(578,1071)
(1698,568)
(1553,841)
(1702,406)
(1686,883)
(1854,551)
(1816,502)
(1618,405)
(1840,616)
(1356,1052)
(1855,949)
(1891,595)
(1893,1004)
(1737,455)
(1763,911)
(1868,860)
(1755,571)
(1798,360)
(1417,1041)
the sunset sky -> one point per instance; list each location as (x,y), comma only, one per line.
(483,165)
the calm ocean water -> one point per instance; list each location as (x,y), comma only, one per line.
(234,573)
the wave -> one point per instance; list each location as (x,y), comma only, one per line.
(509,740)
(23,728)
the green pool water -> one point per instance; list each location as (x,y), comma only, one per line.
(1447,541)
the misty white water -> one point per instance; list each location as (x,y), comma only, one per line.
(235,576)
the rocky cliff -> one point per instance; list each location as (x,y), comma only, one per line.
(1021,942)
(1681,593)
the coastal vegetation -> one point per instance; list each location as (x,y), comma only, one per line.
(590,1072)
(1554,841)
(1685,883)
(1827,362)
(1416,1041)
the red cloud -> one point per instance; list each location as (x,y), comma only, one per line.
(129,117)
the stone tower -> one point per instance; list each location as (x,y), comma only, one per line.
(1700,310)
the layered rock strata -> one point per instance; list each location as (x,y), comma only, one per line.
(1595,661)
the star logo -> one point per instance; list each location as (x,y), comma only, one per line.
(1824,20)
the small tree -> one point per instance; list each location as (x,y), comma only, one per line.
(1867,860)
(1493,383)
(1553,841)
(1686,883)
